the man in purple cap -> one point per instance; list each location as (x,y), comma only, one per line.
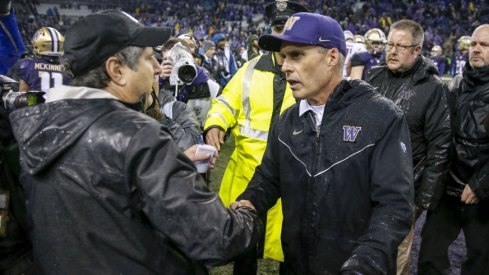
(340,160)
(107,189)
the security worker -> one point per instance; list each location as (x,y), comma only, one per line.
(250,102)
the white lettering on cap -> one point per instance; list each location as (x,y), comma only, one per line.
(290,22)
(130,17)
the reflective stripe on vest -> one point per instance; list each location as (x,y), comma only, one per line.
(245,98)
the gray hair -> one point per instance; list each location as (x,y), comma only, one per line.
(98,77)
(414,28)
(341,64)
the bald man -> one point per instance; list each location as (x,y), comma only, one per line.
(466,199)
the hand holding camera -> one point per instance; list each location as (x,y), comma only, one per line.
(183,70)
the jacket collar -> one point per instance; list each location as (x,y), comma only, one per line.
(336,95)
(267,63)
(421,68)
(477,77)
(73,92)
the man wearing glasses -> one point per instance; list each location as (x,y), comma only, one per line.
(412,82)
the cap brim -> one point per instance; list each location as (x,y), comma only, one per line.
(270,42)
(273,43)
(151,37)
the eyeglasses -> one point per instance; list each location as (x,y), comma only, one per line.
(399,48)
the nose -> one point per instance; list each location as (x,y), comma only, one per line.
(392,49)
(286,67)
(156,67)
(475,48)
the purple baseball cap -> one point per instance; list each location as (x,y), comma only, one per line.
(307,28)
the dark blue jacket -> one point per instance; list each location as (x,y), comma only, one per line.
(470,145)
(346,188)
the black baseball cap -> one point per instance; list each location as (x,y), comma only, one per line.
(280,10)
(96,37)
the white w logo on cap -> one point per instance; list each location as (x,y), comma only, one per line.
(290,22)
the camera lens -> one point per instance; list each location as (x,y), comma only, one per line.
(187,73)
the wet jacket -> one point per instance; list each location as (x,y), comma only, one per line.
(109,192)
(256,95)
(180,120)
(421,94)
(346,187)
(470,148)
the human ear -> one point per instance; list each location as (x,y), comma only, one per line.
(334,57)
(115,70)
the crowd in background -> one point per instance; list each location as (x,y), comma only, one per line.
(443,21)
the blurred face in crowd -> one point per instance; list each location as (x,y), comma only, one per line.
(307,71)
(198,60)
(210,52)
(400,51)
(479,47)
(221,44)
(191,44)
(377,47)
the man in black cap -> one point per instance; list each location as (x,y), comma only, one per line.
(249,104)
(107,189)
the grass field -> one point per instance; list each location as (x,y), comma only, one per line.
(265,267)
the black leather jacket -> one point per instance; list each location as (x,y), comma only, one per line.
(470,149)
(346,188)
(109,192)
(421,94)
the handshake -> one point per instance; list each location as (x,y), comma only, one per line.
(242,203)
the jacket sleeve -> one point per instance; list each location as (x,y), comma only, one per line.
(226,107)
(263,190)
(392,194)
(180,120)
(11,44)
(180,206)
(437,134)
(479,182)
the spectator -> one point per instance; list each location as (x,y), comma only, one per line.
(225,62)
(252,50)
(208,51)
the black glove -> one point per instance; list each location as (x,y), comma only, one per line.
(5,7)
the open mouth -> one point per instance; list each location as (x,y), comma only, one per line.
(293,84)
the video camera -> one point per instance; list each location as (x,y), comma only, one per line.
(184,70)
(11,100)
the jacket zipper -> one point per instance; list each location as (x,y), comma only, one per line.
(312,200)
